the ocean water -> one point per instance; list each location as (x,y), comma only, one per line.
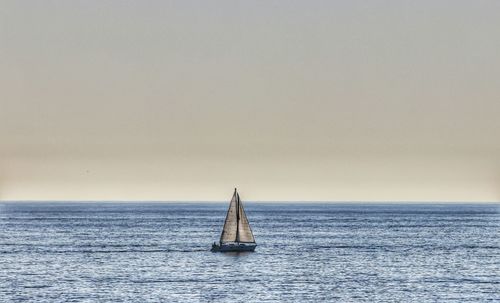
(159,252)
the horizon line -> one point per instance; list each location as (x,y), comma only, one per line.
(257,201)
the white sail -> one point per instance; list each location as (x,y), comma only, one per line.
(244,231)
(236,227)
(229,231)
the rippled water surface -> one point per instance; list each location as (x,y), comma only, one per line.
(159,252)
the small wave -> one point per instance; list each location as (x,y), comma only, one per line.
(100,251)
(36,286)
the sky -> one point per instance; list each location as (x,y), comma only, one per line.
(287,100)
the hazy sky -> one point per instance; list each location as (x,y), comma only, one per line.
(288,100)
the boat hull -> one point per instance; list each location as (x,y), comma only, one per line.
(231,247)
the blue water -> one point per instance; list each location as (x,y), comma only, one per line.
(159,252)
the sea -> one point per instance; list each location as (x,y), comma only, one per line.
(307,252)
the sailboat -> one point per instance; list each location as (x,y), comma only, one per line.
(236,234)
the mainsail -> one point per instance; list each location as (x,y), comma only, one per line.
(236,227)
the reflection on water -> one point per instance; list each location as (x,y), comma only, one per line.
(236,253)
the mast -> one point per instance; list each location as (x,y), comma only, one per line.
(237,215)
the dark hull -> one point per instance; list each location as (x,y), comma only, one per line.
(234,247)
